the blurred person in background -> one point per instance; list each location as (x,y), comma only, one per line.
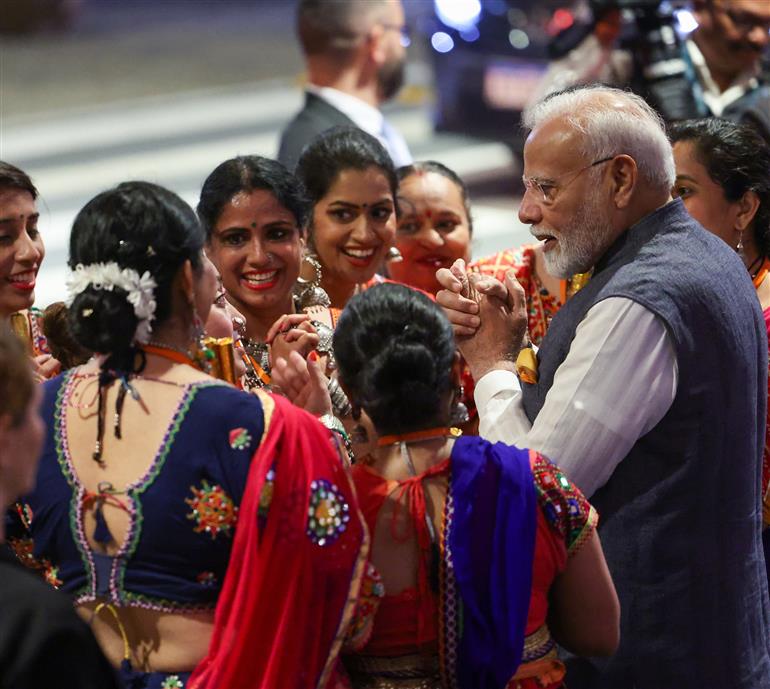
(715,70)
(42,641)
(21,254)
(355,53)
(726,51)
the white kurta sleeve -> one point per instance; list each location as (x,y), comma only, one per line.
(616,383)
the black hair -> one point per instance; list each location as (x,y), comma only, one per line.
(433,166)
(247,174)
(14,178)
(394,348)
(334,27)
(137,225)
(737,159)
(337,150)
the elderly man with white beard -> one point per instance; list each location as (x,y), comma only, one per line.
(649,391)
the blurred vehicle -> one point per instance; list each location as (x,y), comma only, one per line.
(489,57)
(492,58)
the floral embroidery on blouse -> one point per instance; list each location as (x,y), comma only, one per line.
(328,513)
(564,506)
(172,682)
(22,548)
(541,305)
(240,438)
(51,575)
(212,510)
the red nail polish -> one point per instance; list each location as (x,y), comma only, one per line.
(313,356)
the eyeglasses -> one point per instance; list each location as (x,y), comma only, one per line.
(549,189)
(403,30)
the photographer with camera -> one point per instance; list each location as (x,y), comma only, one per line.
(716,70)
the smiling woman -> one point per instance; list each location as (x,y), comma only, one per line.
(352,184)
(434,226)
(21,253)
(254,212)
(21,247)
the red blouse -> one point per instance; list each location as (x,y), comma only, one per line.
(407,622)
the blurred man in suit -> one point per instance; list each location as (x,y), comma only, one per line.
(355,51)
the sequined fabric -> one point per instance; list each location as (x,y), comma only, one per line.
(541,305)
(564,506)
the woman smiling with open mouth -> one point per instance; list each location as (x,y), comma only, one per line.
(21,253)
(352,184)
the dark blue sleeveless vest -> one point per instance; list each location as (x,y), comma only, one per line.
(680,516)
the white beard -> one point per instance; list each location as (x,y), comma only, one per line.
(582,241)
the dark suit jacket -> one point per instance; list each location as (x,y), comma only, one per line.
(316,117)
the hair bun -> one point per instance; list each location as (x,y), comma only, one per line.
(103,320)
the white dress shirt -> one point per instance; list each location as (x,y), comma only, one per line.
(368,118)
(616,383)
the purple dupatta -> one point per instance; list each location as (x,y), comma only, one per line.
(489,543)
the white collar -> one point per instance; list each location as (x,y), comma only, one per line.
(365,116)
(715,98)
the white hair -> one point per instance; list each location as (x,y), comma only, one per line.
(612,122)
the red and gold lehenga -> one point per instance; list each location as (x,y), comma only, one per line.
(511,520)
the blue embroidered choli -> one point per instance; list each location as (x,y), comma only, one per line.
(183,511)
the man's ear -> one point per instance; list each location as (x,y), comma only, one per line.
(375,42)
(624,176)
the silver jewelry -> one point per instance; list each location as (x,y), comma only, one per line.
(393,255)
(310,291)
(459,415)
(740,249)
(333,424)
(258,351)
(325,342)
(340,401)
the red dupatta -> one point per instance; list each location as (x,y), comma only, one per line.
(291,584)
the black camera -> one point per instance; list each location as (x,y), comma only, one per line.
(662,72)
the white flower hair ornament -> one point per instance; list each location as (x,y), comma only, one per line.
(140,289)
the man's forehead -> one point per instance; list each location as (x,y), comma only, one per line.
(552,146)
